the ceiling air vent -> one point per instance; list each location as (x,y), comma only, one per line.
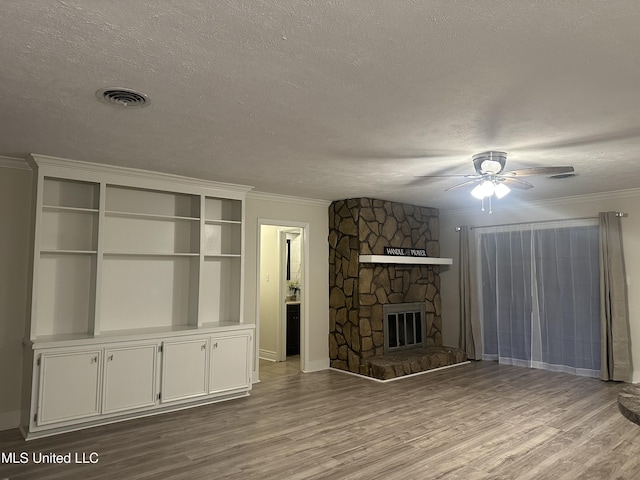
(123,97)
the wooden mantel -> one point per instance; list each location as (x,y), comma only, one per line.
(404,260)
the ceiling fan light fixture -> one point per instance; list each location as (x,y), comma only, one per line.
(489,163)
(488,188)
(490,166)
(501,190)
(492,180)
(478,192)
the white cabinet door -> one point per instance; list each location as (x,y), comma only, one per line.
(130,377)
(185,369)
(230,363)
(69,386)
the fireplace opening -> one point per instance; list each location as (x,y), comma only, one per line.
(404,326)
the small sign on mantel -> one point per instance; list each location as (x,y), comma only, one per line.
(405,252)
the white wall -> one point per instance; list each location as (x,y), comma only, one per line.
(15,201)
(270,297)
(315,214)
(573,207)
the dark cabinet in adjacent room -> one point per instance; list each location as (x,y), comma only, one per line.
(293,328)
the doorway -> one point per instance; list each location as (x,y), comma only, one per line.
(281,299)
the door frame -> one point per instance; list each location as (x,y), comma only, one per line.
(304,297)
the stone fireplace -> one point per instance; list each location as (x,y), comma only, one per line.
(359,291)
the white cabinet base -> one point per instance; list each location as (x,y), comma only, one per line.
(90,382)
(184,369)
(230,363)
(69,386)
(130,378)
(109,419)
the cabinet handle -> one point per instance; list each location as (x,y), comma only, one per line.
(204,346)
(215,345)
(94,359)
(111,357)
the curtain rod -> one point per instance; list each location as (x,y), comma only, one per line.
(618,214)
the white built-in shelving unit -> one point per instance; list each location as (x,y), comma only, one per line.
(137,293)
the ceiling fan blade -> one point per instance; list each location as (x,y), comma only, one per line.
(463,184)
(530,172)
(450,175)
(515,183)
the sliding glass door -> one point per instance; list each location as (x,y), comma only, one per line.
(540,295)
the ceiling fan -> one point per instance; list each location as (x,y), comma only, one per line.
(491,179)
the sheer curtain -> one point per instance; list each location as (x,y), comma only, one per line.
(540,295)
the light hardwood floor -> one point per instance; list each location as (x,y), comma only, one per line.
(273,370)
(475,421)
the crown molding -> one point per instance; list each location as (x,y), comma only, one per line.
(275,197)
(37,160)
(12,162)
(552,202)
(589,197)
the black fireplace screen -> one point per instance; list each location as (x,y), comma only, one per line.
(404,326)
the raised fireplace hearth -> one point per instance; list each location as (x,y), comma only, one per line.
(411,361)
(359,291)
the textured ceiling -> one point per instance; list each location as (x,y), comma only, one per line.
(331,99)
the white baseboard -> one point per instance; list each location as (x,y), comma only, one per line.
(635,378)
(9,420)
(316,365)
(268,355)
(431,370)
